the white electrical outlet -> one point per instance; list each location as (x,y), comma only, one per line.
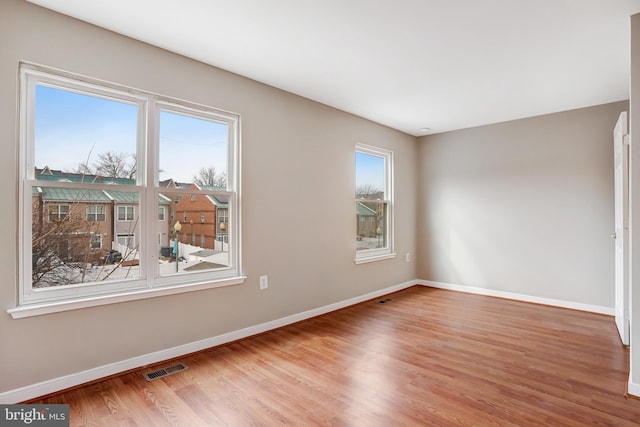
(407,257)
(264,282)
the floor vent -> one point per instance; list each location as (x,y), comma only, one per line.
(150,376)
(385,301)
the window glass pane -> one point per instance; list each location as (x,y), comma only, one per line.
(96,241)
(82,138)
(371,218)
(199,242)
(192,150)
(193,156)
(370,176)
(72,243)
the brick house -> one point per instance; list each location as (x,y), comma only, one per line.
(204,218)
(87,221)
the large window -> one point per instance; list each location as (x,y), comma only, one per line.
(373,204)
(92,151)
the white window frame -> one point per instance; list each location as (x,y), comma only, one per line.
(378,254)
(94,211)
(161,213)
(98,238)
(126,239)
(32,301)
(58,206)
(126,213)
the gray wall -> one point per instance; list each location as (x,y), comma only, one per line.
(524,206)
(297,201)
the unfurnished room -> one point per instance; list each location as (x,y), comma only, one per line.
(305,213)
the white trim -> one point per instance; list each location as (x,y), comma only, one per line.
(374,258)
(126,207)
(67,381)
(388,191)
(609,311)
(633,389)
(149,107)
(30,310)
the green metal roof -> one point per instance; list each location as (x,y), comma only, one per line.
(220,201)
(73,195)
(119,196)
(50,194)
(54,194)
(59,176)
(363,210)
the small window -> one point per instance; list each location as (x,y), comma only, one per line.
(223,218)
(96,213)
(96,241)
(373,203)
(58,212)
(125,213)
(161,213)
(128,240)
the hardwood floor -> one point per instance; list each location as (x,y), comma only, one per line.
(427,357)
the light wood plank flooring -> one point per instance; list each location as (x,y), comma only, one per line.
(427,357)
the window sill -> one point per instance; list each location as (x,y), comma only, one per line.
(375,258)
(37,309)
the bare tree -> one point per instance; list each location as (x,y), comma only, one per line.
(110,164)
(116,165)
(208,177)
(84,169)
(57,241)
(368,191)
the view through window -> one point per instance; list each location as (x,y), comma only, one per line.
(90,165)
(373,202)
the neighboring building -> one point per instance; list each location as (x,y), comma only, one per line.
(94,218)
(367,220)
(204,218)
(78,220)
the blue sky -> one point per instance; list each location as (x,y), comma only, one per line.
(71,128)
(369,170)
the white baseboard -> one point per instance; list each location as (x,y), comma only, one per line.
(633,389)
(520,297)
(72,380)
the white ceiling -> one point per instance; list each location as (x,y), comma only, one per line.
(408,64)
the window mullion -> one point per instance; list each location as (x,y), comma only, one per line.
(148,209)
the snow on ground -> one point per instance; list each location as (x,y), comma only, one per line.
(70,275)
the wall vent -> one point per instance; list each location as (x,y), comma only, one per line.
(150,376)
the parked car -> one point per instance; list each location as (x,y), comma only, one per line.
(113,257)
